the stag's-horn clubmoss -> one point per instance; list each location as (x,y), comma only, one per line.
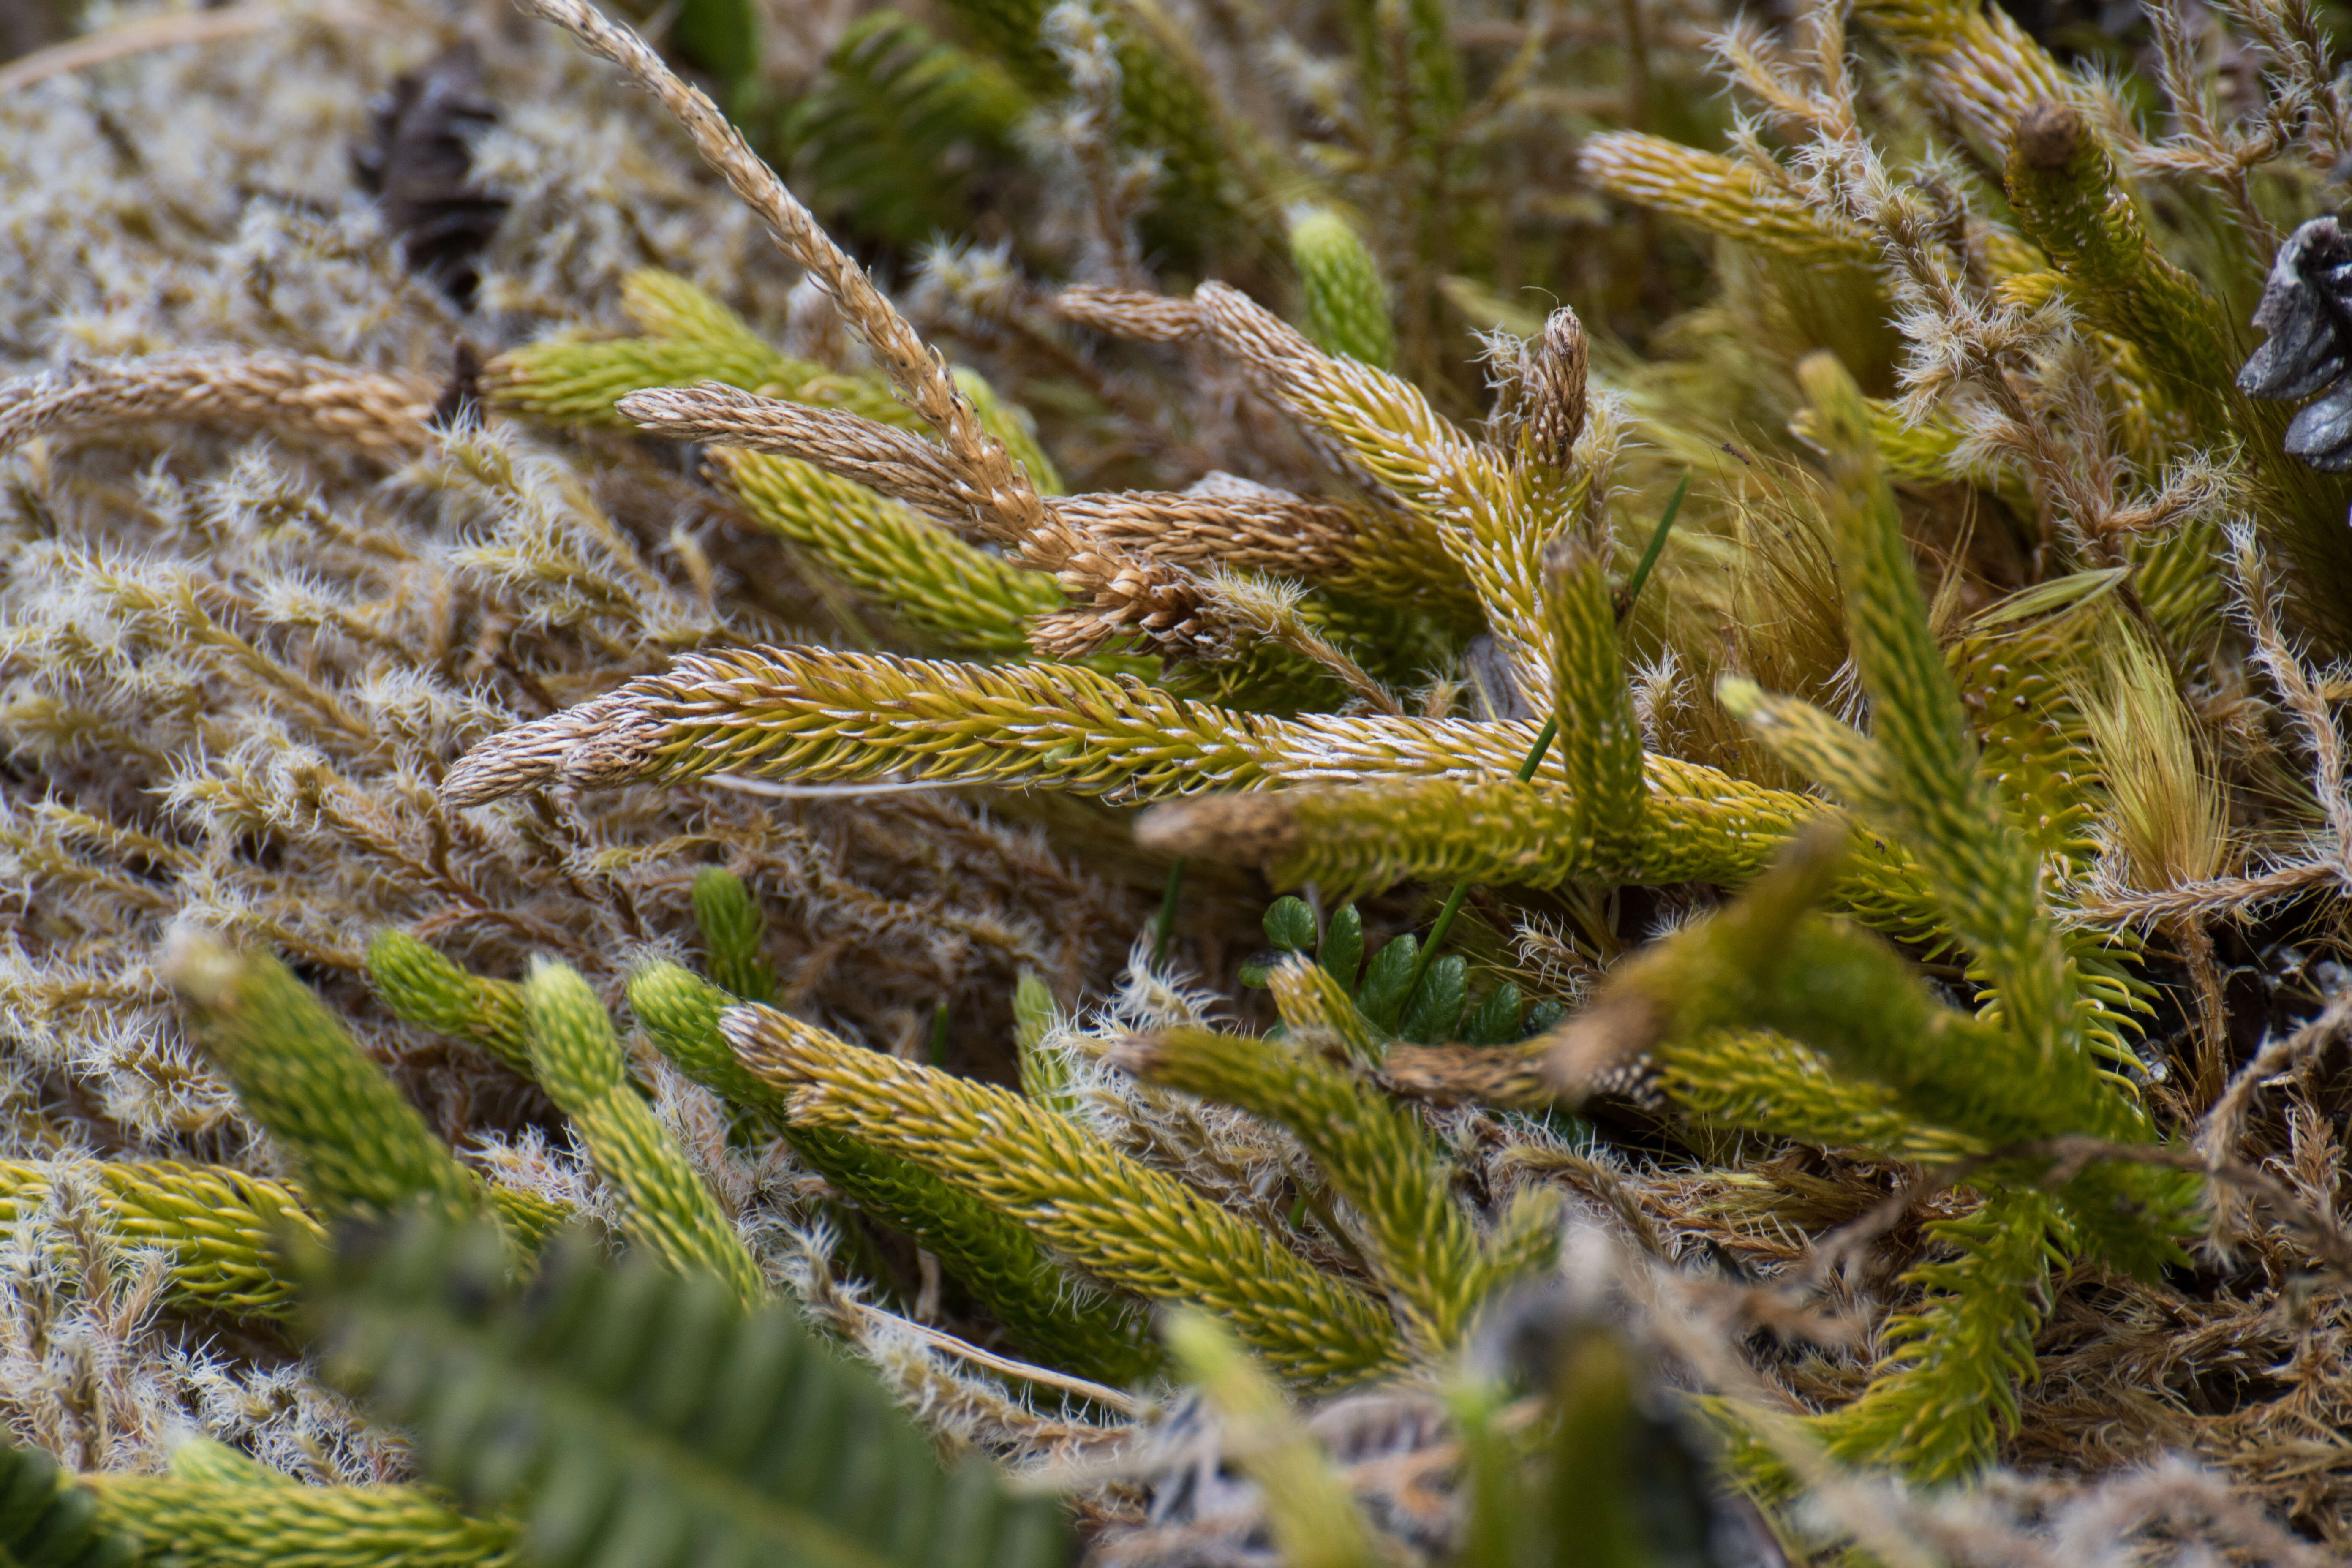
(1732,948)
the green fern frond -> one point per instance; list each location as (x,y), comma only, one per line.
(1359,1018)
(722,38)
(1412,35)
(643,1411)
(1168,106)
(1011,33)
(1165,107)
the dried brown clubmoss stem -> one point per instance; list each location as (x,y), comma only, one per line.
(384,415)
(1363,551)
(1240,829)
(1284,367)
(1224,527)
(895,462)
(1243,526)
(1393,556)
(1130,560)
(1279,363)
(1505,1076)
(1132,314)
(917,375)
(118,41)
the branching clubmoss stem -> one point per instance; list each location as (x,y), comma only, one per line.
(1544,737)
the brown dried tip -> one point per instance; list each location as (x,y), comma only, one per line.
(1136,1056)
(614,747)
(1129,313)
(2049,135)
(1589,1054)
(525,757)
(898,463)
(1556,394)
(382,416)
(1246,829)
(1510,1077)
